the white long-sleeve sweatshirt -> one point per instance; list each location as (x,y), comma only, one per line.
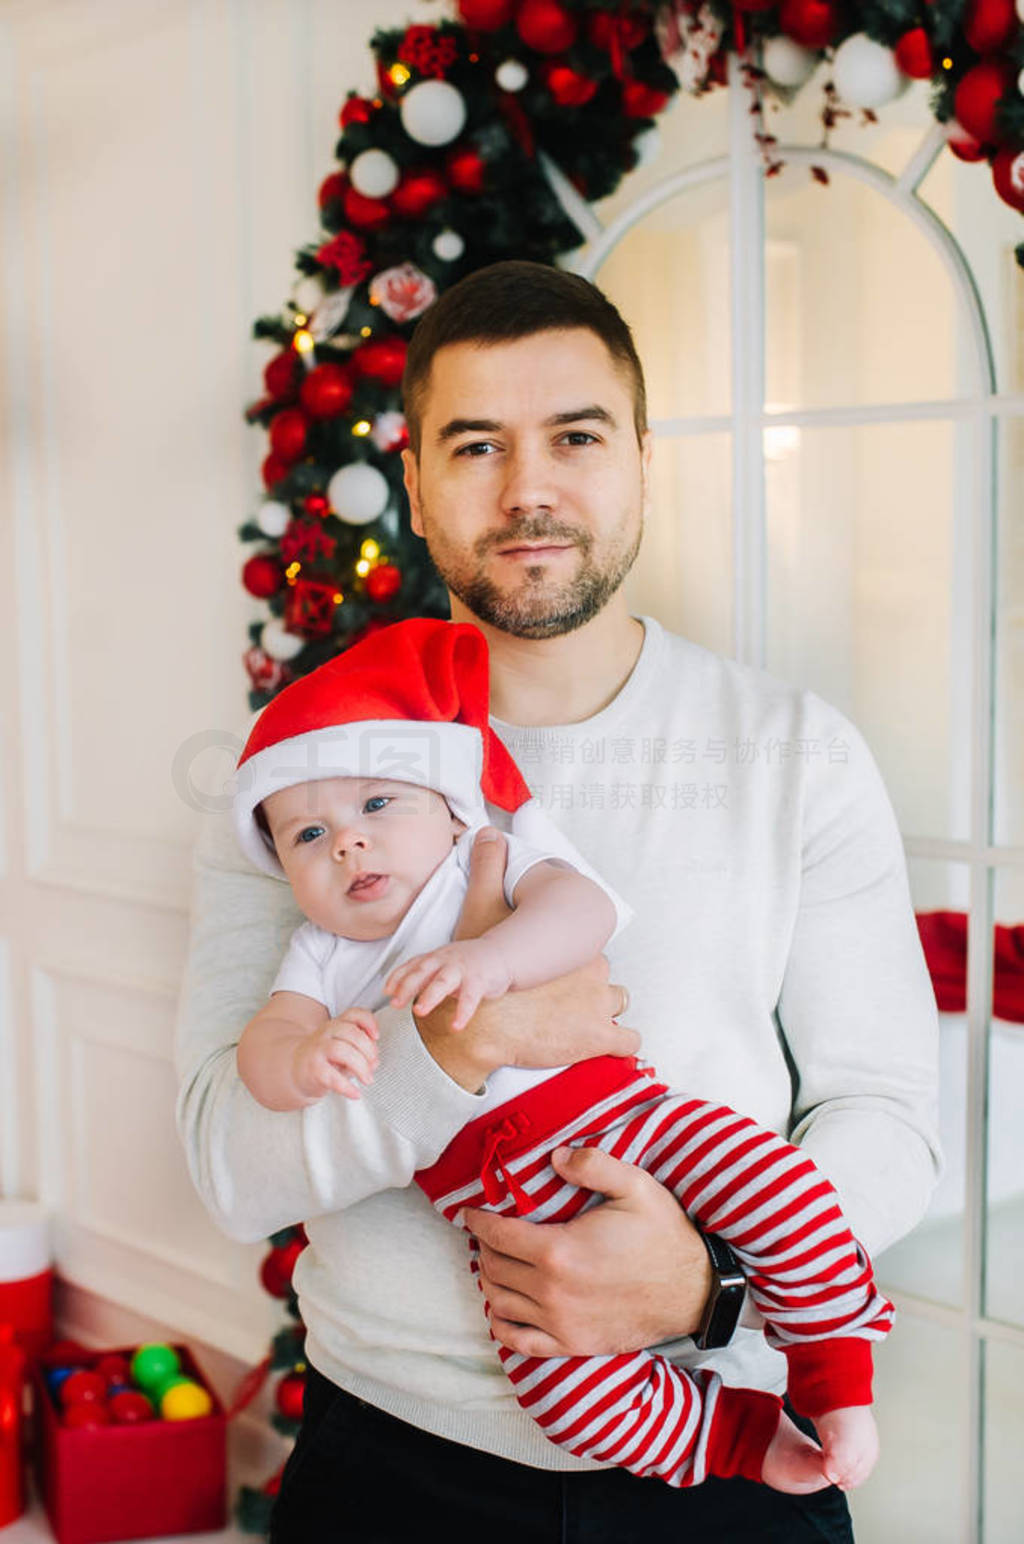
(773,965)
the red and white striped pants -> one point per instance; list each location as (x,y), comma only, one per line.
(806,1273)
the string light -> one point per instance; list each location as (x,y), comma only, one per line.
(304,346)
(291,573)
(399,74)
(338,597)
(363,426)
(363,568)
(300,318)
(370,549)
(364,332)
(947,63)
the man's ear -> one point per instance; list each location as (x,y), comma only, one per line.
(646,453)
(411,474)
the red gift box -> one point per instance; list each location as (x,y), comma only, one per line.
(131,1482)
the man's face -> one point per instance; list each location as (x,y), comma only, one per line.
(530,487)
(357,850)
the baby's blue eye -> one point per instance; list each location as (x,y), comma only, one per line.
(309,833)
(378,802)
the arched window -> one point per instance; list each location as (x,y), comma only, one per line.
(835,378)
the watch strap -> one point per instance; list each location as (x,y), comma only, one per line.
(725,1300)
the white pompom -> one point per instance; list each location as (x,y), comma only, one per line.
(307,294)
(358,493)
(374,174)
(278,643)
(448,245)
(273,519)
(787,63)
(513,75)
(433,112)
(865,73)
(647,146)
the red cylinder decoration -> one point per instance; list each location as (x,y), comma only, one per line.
(913,54)
(978,95)
(327,391)
(262,576)
(12,1437)
(1008,176)
(814,23)
(545,26)
(418,192)
(383,360)
(288,434)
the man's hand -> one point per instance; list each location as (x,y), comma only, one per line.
(624,1275)
(565,1021)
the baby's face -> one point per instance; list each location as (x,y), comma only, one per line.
(357,850)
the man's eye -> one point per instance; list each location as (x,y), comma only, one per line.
(309,834)
(475,449)
(581,437)
(378,802)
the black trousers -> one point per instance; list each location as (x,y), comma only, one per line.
(358,1476)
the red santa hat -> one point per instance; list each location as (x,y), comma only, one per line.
(409,703)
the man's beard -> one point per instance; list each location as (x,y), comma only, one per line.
(540,606)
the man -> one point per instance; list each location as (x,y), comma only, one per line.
(773,964)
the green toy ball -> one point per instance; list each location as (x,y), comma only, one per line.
(154,1366)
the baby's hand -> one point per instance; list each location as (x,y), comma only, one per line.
(849,1445)
(345,1045)
(470,970)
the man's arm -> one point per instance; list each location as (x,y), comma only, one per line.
(857,1008)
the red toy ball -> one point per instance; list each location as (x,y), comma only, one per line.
(978,95)
(129,1407)
(86,1413)
(327,391)
(114,1368)
(83,1388)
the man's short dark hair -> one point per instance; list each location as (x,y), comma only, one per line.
(508,301)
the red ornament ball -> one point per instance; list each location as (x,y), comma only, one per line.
(288,434)
(277,1267)
(467,170)
(989,24)
(978,95)
(1008,176)
(327,391)
(316,505)
(382,360)
(417,193)
(383,582)
(568,87)
(262,576)
(273,1485)
(357,109)
(274,468)
(914,54)
(281,375)
(332,189)
(628,30)
(289,1395)
(545,26)
(368,214)
(963,145)
(814,23)
(486,15)
(640,101)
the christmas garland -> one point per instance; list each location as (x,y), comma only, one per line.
(484,139)
(483,135)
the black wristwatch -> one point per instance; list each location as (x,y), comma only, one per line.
(728,1286)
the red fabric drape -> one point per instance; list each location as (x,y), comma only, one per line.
(944,938)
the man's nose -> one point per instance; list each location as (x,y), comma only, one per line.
(530,481)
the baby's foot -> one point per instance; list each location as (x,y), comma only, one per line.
(849,1440)
(793,1462)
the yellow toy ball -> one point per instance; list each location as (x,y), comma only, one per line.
(184,1401)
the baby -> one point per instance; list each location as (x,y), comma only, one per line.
(378,863)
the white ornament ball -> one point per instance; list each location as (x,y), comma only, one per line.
(433,113)
(647,145)
(374,174)
(1020,10)
(358,493)
(865,73)
(273,519)
(513,75)
(278,643)
(1020,77)
(787,63)
(448,245)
